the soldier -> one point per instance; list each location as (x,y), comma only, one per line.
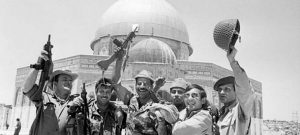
(105,117)
(52,102)
(238,96)
(194,119)
(141,105)
(213,110)
(177,90)
(143,101)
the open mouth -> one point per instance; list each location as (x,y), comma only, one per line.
(104,98)
(222,97)
(177,100)
(191,103)
(67,87)
(143,90)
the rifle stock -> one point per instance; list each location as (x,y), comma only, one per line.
(103,64)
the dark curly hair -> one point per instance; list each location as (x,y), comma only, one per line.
(202,93)
(104,81)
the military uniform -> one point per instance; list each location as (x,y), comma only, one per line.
(137,124)
(105,122)
(151,118)
(141,118)
(179,83)
(52,116)
(101,122)
(235,118)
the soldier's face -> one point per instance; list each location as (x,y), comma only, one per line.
(177,95)
(103,94)
(143,85)
(193,99)
(226,93)
(64,83)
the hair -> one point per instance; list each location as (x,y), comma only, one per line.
(103,81)
(18,119)
(202,93)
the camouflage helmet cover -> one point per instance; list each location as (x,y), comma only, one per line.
(179,83)
(226,33)
(145,74)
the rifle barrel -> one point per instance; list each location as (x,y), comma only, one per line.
(49,36)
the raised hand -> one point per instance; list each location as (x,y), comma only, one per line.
(120,52)
(231,54)
(160,81)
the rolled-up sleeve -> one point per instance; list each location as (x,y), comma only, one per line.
(244,90)
(198,124)
(34,94)
(123,93)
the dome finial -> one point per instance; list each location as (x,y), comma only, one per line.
(152,32)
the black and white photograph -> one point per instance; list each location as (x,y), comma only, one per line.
(149,67)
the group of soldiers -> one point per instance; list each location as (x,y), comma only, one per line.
(143,112)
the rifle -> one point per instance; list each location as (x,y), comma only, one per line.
(37,128)
(44,65)
(119,120)
(103,64)
(85,111)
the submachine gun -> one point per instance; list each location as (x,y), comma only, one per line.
(85,114)
(44,65)
(103,64)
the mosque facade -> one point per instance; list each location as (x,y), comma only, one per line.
(161,47)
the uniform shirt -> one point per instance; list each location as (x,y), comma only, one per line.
(135,105)
(196,123)
(104,122)
(135,108)
(235,119)
(52,116)
(136,124)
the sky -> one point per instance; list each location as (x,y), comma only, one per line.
(269,51)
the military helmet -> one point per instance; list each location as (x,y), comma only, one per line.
(226,33)
(179,83)
(145,74)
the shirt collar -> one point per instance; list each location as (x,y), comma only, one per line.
(233,104)
(225,109)
(60,100)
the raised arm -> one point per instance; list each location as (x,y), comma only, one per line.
(116,77)
(244,91)
(123,93)
(30,88)
(30,80)
(32,76)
